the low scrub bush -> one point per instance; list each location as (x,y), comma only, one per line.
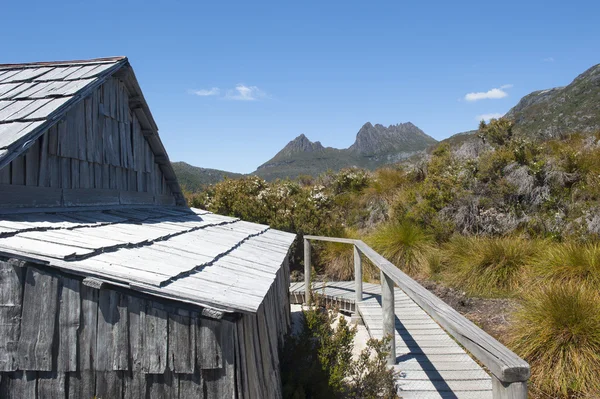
(557,331)
(488,266)
(403,243)
(370,376)
(570,262)
(317,363)
(284,205)
(497,132)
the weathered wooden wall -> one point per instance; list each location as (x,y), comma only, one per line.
(96,155)
(61,338)
(260,337)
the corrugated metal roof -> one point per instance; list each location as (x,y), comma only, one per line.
(185,254)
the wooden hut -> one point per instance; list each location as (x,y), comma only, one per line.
(110,287)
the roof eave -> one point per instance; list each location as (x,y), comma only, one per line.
(138,104)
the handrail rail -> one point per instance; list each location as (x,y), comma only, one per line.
(509,372)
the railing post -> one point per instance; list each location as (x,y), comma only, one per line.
(358,283)
(307,291)
(506,390)
(389,315)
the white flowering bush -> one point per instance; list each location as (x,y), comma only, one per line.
(351,180)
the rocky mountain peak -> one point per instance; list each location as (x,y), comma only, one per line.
(302,144)
(299,145)
(379,139)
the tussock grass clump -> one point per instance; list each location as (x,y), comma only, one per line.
(435,263)
(337,260)
(488,266)
(402,243)
(570,261)
(557,331)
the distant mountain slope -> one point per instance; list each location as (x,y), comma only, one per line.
(193,178)
(562,110)
(375,145)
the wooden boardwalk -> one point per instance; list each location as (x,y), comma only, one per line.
(429,362)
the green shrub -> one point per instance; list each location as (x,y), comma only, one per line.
(497,132)
(570,262)
(284,205)
(491,164)
(557,331)
(488,266)
(335,345)
(402,243)
(370,375)
(317,363)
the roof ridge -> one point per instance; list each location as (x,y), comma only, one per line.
(65,62)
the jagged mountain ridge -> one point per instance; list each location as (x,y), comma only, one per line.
(375,145)
(377,139)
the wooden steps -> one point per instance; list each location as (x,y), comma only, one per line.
(430,364)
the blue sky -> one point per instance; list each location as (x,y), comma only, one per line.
(230,83)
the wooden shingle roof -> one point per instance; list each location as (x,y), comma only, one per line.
(35,96)
(178,253)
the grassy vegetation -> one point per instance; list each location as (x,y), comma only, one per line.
(495,215)
(403,243)
(571,262)
(557,330)
(338,257)
(488,267)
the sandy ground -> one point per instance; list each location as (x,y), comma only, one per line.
(360,339)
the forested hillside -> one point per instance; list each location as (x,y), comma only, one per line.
(194,179)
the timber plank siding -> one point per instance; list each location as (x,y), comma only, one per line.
(113,344)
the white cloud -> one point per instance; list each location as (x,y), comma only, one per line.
(206,92)
(508,86)
(245,93)
(490,94)
(548,59)
(487,117)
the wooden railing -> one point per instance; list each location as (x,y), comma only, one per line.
(509,372)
